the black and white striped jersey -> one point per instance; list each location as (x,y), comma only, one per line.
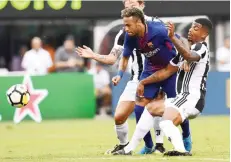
(137,59)
(194,81)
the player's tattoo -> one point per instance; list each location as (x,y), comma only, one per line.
(185,42)
(102,57)
(184,51)
(156,77)
(160,75)
(116,51)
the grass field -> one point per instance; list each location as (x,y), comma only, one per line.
(87,140)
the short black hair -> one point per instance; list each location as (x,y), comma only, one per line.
(134,12)
(205,22)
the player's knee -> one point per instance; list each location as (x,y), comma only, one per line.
(120,118)
(154,109)
(171,114)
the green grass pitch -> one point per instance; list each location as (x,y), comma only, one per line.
(87,140)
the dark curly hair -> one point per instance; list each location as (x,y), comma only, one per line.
(134,12)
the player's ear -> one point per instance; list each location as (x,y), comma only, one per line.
(204,34)
(139,21)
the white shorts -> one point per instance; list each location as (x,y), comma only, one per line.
(129,93)
(188,105)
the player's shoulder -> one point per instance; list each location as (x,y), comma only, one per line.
(152,18)
(121,33)
(119,38)
(156,23)
(157,28)
(199,46)
(149,18)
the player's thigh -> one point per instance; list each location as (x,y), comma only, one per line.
(129,93)
(169,86)
(126,102)
(150,90)
(124,109)
(186,105)
(173,114)
(156,107)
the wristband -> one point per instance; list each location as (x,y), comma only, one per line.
(120,73)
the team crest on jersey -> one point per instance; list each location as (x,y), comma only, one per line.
(150,45)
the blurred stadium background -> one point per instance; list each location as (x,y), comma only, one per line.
(70,92)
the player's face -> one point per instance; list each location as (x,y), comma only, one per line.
(196,33)
(134,3)
(130,26)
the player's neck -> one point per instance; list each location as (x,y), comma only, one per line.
(198,41)
(143,30)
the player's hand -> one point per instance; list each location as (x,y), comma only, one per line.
(185,66)
(85,52)
(171,29)
(116,79)
(140,90)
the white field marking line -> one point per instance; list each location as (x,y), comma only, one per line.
(142,158)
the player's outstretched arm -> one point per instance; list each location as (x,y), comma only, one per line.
(110,59)
(160,75)
(182,49)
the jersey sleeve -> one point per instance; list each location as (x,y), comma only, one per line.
(119,39)
(129,45)
(175,61)
(178,36)
(200,49)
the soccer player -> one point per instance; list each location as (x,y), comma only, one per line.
(191,89)
(126,102)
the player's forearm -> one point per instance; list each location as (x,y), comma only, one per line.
(156,77)
(160,75)
(123,63)
(185,42)
(184,50)
(105,59)
(111,57)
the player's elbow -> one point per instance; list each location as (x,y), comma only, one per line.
(187,56)
(192,58)
(112,60)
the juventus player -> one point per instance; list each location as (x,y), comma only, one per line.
(191,88)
